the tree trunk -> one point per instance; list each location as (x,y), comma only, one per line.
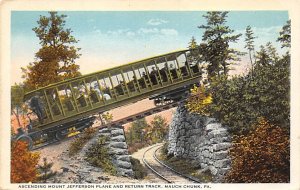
(17,117)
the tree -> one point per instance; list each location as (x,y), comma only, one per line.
(217,37)
(249,43)
(157,129)
(136,131)
(262,156)
(262,56)
(55,60)
(17,104)
(23,163)
(285,35)
(199,100)
(238,102)
(267,55)
(193,43)
(45,171)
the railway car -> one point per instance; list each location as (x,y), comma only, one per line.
(69,105)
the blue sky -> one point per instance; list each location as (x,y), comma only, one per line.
(113,38)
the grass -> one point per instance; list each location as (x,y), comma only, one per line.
(98,156)
(78,143)
(138,169)
(184,166)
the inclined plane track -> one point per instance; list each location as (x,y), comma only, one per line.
(163,171)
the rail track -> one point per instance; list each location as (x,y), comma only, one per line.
(163,171)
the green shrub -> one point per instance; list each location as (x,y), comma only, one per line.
(185,166)
(138,169)
(78,143)
(98,156)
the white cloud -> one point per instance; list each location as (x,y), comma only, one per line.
(155,22)
(169,32)
(156,31)
(148,31)
(117,32)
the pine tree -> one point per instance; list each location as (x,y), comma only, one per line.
(193,43)
(250,43)
(194,56)
(45,171)
(285,35)
(217,37)
(55,60)
(262,56)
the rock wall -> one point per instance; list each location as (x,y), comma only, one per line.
(118,150)
(200,139)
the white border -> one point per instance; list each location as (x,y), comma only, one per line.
(292,6)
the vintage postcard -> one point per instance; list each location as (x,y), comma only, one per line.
(140,95)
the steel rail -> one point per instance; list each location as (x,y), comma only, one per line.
(152,169)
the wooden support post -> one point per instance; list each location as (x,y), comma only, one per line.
(88,93)
(168,70)
(179,71)
(59,100)
(125,82)
(136,80)
(188,64)
(112,85)
(148,75)
(103,99)
(48,104)
(74,98)
(157,69)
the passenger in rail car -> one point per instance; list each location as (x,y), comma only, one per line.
(153,76)
(97,90)
(106,97)
(37,107)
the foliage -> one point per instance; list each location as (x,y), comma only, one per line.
(239,101)
(285,35)
(262,156)
(157,130)
(138,169)
(77,144)
(136,133)
(185,166)
(107,117)
(45,171)
(203,99)
(98,155)
(55,60)
(217,38)
(141,134)
(23,163)
(17,103)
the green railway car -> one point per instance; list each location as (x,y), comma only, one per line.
(70,103)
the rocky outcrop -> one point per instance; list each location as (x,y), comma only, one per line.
(200,139)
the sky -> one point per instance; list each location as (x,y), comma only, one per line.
(111,38)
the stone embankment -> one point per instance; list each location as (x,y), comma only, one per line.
(202,140)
